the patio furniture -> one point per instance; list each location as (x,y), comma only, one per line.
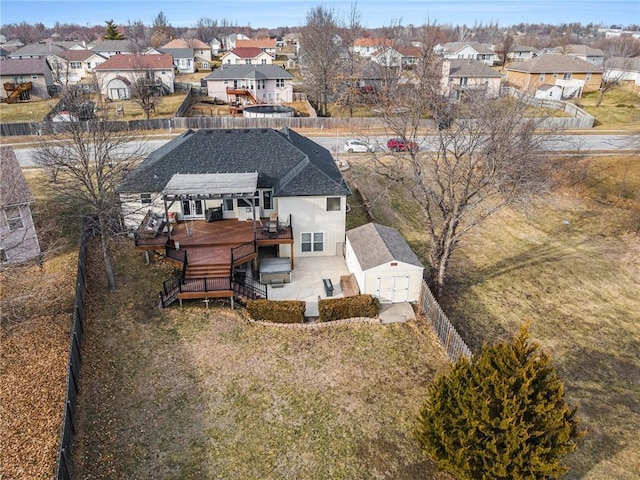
(214,214)
(328,287)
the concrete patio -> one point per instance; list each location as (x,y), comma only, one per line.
(306,281)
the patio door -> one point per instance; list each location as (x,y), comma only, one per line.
(192,209)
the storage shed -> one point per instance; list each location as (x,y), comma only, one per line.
(383,263)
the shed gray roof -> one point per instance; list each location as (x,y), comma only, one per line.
(289,163)
(112,46)
(375,244)
(231,72)
(178,52)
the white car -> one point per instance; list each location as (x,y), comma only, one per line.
(357,146)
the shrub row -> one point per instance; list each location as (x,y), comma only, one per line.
(356,306)
(287,311)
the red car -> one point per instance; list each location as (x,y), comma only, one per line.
(399,145)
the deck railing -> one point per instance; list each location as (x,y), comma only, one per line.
(243,253)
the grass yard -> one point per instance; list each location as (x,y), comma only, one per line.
(165,108)
(197,393)
(33,111)
(620,108)
(577,284)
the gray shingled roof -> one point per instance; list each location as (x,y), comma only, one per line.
(453,47)
(112,46)
(23,66)
(13,186)
(287,162)
(630,64)
(375,244)
(40,49)
(554,64)
(231,72)
(471,68)
(177,52)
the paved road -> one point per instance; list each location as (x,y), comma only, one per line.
(584,143)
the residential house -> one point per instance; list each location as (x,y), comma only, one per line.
(468,51)
(24,78)
(366,47)
(574,75)
(247,175)
(201,50)
(4,54)
(18,237)
(216,46)
(246,56)
(583,52)
(623,69)
(109,48)
(183,58)
(400,56)
(13,45)
(267,45)
(229,42)
(71,66)
(518,53)
(251,84)
(118,74)
(36,50)
(469,77)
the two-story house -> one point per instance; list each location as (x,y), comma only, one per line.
(246,56)
(201,50)
(467,51)
(574,75)
(23,78)
(183,58)
(250,84)
(267,45)
(109,48)
(71,66)
(119,74)
(469,77)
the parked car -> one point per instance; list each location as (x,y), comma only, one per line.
(357,146)
(399,145)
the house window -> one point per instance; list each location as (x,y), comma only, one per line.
(464,81)
(267,199)
(566,76)
(263,61)
(312,242)
(247,61)
(227,205)
(588,77)
(76,65)
(145,198)
(333,204)
(14,218)
(279,82)
(542,77)
(34,77)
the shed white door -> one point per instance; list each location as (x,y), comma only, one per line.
(393,288)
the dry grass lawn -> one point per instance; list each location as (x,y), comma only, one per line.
(620,108)
(197,393)
(577,284)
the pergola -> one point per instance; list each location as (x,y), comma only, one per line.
(207,186)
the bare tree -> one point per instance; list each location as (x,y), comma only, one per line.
(161,31)
(505,48)
(321,46)
(138,37)
(206,29)
(90,161)
(484,157)
(347,79)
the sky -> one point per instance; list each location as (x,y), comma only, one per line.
(276,13)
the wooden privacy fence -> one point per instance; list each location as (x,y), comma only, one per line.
(63,467)
(452,342)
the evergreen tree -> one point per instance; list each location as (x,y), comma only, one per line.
(500,415)
(111,31)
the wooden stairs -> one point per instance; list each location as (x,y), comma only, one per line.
(19,91)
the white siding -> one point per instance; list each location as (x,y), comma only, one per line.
(400,269)
(309,214)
